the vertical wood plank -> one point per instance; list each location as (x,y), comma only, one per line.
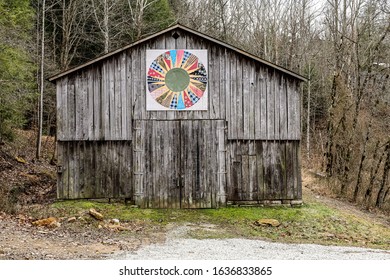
(61,170)
(111,100)
(247,103)
(142,81)
(77,112)
(221,187)
(90,124)
(252,84)
(253,183)
(298,111)
(157,171)
(105,101)
(297,171)
(129,95)
(283,169)
(283,109)
(81,171)
(260,169)
(263,104)
(222,83)
(60,110)
(186,165)
(257,102)
(71,110)
(123,79)
(290,166)
(245,190)
(97,104)
(67,170)
(117,99)
(233,100)
(213,80)
(276,83)
(239,99)
(212,188)
(136,65)
(138,164)
(270,106)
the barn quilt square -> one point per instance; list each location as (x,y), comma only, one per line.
(176,80)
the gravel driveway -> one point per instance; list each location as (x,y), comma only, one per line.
(179,247)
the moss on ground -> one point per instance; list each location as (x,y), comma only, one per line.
(314,222)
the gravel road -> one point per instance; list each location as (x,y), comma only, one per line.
(178,247)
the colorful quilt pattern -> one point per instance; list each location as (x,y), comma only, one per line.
(177,79)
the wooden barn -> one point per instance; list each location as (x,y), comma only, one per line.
(179,120)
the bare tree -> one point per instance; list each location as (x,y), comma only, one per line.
(41,90)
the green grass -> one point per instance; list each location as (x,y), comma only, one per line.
(312,223)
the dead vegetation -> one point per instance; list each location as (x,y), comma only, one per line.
(23,180)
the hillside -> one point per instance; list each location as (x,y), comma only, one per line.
(24,180)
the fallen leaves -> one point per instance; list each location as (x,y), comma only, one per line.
(50,222)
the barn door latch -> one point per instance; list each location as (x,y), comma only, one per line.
(179,182)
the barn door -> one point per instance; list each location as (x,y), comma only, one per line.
(183,164)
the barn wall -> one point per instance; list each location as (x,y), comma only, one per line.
(100,109)
(179,163)
(94,169)
(100,102)
(263,171)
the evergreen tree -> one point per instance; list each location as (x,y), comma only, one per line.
(16,67)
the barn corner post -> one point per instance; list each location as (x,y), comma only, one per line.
(221,195)
(138,171)
(183,121)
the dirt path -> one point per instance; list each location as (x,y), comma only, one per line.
(313,192)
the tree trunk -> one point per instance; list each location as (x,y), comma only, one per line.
(40,109)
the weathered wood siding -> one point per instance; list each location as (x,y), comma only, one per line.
(245,147)
(100,101)
(94,169)
(178,163)
(264,170)
(93,105)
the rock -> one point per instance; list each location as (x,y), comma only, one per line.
(50,222)
(71,219)
(96,214)
(117,228)
(296,202)
(267,222)
(328,235)
(115,221)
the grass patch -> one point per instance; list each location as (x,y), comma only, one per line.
(312,223)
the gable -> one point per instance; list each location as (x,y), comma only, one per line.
(175,31)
